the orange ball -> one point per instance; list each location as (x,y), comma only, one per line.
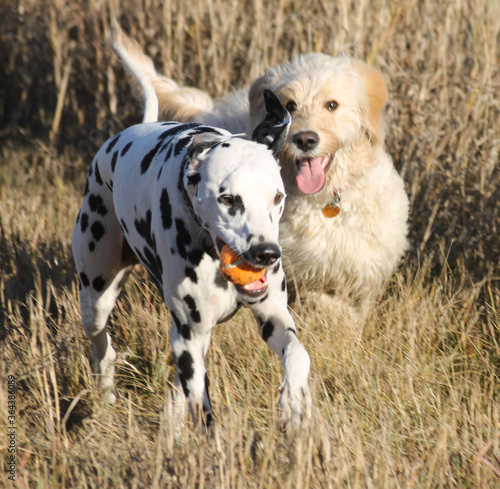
(236,270)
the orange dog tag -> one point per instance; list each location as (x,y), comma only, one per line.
(330,211)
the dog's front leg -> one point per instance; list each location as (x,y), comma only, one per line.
(277,328)
(190,346)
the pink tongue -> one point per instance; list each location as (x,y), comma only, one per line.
(257,285)
(310,177)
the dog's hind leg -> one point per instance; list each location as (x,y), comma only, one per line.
(103,260)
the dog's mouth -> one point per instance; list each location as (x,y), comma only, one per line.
(250,282)
(311,173)
(254,290)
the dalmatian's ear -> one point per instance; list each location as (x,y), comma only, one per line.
(200,146)
(272,131)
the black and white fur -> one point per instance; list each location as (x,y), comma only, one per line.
(168,196)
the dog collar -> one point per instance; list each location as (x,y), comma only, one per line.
(332,209)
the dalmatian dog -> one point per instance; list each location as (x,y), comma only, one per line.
(169,195)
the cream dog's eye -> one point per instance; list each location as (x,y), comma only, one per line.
(332,105)
(278,198)
(291,106)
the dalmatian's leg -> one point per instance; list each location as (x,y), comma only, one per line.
(277,328)
(190,345)
(103,260)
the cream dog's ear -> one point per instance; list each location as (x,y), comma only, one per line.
(256,99)
(376,90)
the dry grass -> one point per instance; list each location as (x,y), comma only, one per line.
(414,403)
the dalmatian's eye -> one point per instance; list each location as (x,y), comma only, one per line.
(278,198)
(291,106)
(332,105)
(226,199)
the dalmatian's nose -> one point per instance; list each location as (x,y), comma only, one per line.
(264,255)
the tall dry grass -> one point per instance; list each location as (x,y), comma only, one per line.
(414,403)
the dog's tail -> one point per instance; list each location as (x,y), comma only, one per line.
(140,72)
(173,102)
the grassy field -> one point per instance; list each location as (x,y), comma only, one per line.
(413,403)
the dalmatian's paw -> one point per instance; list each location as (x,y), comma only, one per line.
(296,407)
(108,395)
(105,370)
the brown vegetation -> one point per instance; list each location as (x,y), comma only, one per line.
(414,403)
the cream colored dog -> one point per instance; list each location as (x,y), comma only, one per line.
(344,228)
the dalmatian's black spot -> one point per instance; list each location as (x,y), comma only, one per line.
(112,143)
(146,161)
(250,237)
(91,170)
(195,256)
(148,259)
(165,209)
(143,227)
(98,283)
(110,185)
(169,153)
(124,226)
(78,217)
(84,279)
(267,330)
(97,230)
(276,268)
(291,330)
(191,274)
(96,204)
(186,370)
(194,179)
(84,222)
(159,173)
(225,145)
(114,159)
(237,206)
(87,189)
(183,329)
(159,264)
(177,129)
(154,263)
(191,303)
(91,246)
(222,189)
(125,149)
(209,249)
(261,239)
(172,251)
(283,285)
(163,148)
(98,178)
(181,144)
(220,281)
(183,238)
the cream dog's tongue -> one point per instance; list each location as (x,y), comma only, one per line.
(310,178)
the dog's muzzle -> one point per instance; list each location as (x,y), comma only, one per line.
(263,255)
